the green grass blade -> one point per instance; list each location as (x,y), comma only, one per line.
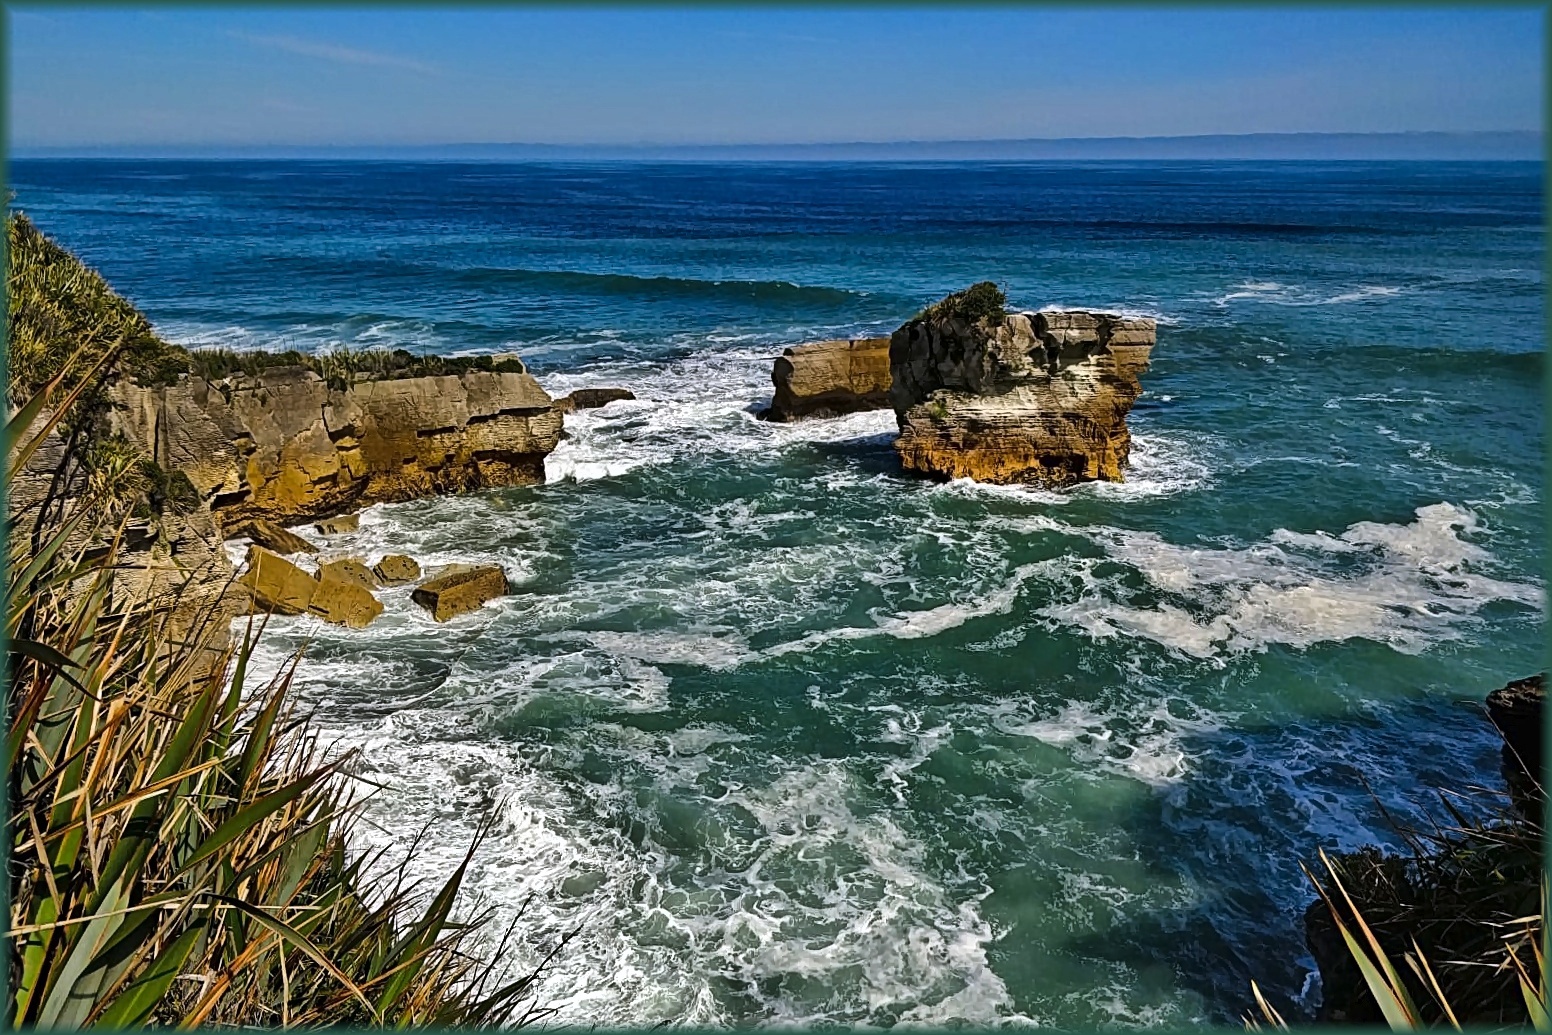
(134,1006)
(249,817)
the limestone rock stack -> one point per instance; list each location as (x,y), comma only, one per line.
(1034,397)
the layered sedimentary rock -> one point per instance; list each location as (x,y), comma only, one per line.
(266,533)
(395,569)
(829,378)
(1037,398)
(286,445)
(170,553)
(281,587)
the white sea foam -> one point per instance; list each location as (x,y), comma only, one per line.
(1272,292)
(699,406)
(405,332)
(1408,586)
(1145,747)
(812,893)
(1131,312)
(912,625)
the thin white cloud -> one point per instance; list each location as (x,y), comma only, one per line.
(774,37)
(334,52)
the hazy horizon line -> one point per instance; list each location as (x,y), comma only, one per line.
(1480,145)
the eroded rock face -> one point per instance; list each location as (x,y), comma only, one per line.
(830,378)
(284,445)
(1037,398)
(460,591)
(1516,710)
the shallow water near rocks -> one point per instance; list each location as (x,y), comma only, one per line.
(787,738)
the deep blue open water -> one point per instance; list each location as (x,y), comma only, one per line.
(787,737)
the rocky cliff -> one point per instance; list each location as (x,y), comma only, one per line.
(829,378)
(285,444)
(1040,398)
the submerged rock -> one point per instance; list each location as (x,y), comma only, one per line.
(593,398)
(1037,398)
(395,569)
(336,525)
(460,591)
(271,536)
(830,378)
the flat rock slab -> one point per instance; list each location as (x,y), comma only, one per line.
(343,602)
(592,398)
(336,525)
(280,587)
(460,591)
(277,585)
(271,536)
(395,569)
(349,569)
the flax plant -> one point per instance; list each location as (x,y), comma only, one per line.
(179,844)
(1464,912)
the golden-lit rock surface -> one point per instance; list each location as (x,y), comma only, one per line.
(829,378)
(1038,398)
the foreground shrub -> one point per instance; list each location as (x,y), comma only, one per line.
(1462,910)
(178,842)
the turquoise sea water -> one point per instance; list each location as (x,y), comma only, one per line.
(784,736)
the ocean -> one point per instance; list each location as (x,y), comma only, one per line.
(779,736)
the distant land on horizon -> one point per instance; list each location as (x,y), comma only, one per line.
(1509,145)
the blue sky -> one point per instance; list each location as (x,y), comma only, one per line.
(665,75)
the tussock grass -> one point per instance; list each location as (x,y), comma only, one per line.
(60,312)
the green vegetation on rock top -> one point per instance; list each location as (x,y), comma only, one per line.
(979,301)
(63,317)
(64,314)
(343,366)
